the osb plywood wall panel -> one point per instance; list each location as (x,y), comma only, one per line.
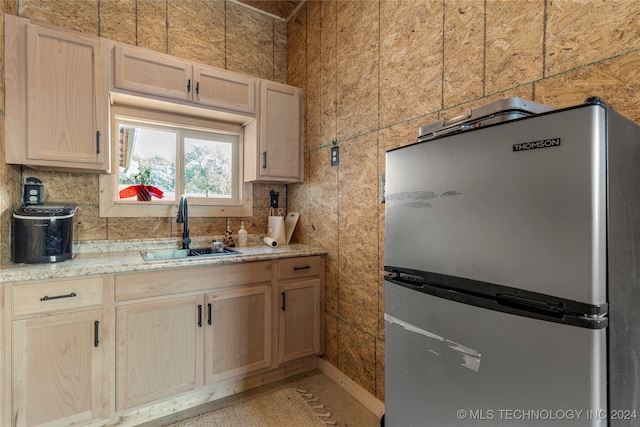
(435,59)
(72,14)
(250,35)
(463,52)
(581,32)
(151,25)
(514,33)
(282,8)
(213,32)
(410,59)
(357,68)
(196,31)
(118,20)
(328,72)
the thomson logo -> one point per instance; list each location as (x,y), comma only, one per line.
(554,142)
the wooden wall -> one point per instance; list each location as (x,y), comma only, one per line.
(374,71)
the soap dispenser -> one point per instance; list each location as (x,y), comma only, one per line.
(243,236)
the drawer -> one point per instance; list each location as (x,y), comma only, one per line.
(45,297)
(292,268)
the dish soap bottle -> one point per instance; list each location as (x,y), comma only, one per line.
(243,236)
(228,237)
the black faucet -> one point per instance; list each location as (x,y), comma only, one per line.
(183,218)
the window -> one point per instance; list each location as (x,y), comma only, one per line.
(162,156)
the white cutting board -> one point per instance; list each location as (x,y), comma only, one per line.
(290,224)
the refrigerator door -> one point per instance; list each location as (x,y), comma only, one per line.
(521,204)
(452,364)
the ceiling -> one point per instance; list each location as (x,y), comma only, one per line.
(281,8)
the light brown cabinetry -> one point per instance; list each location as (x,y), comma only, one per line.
(58,359)
(156,74)
(137,346)
(301,291)
(274,141)
(238,332)
(176,342)
(159,349)
(56,113)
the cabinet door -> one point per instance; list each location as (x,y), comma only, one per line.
(152,73)
(222,89)
(280,133)
(58,369)
(299,324)
(238,332)
(159,349)
(66,100)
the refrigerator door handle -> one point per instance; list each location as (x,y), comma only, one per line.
(555,310)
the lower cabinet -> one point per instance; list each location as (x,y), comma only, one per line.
(299,320)
(238,332)
(159,349)
(93,350)
(57,369)
(58,352)
(177,343)
(301,307)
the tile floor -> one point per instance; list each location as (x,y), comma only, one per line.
(344,409)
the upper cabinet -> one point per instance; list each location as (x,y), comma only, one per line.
(273,143)
(151,73)
(164,76)
(56,98)
(59,84)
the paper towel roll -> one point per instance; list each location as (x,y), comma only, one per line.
(270,242)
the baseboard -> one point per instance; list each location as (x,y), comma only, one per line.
(367,399)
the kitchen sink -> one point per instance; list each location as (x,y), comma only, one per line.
(164,254)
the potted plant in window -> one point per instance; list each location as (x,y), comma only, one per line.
(142,191)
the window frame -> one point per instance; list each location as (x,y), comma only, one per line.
(111,206)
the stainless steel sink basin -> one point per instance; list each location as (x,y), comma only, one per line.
(165,254)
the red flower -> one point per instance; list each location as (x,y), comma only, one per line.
(142,192)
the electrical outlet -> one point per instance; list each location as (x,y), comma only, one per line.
(335,156)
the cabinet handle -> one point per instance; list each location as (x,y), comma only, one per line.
(48,298)
(197,88)
(189,85)
(306,267)
(209,308)
(283,301)
(96,331)
(98,146)
(200,315)
(264,160)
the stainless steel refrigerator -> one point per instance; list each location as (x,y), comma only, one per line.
(512,259)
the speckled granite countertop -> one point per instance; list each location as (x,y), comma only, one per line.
(109,257)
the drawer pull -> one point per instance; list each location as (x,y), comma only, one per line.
(306,267)
(209,319)
(48,298)
(283,301)
(200,315)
